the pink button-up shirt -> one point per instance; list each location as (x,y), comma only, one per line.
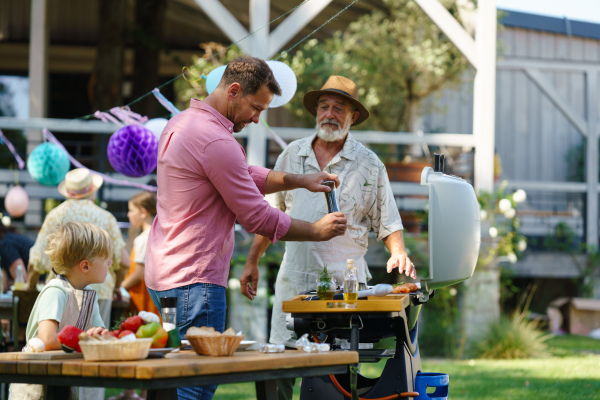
(205,184)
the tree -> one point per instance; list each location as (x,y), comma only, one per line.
(148,44)
(397,59)
(6,103)
(194,86)
(107,77)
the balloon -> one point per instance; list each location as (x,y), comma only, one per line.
(156,126)
(16,201)
(288,83)
(133,150)
(48,164)
(284,75)
(214,77)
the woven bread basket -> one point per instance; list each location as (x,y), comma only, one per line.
(115,350)
(224,345)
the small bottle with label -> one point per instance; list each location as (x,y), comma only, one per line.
(168,311)
(350,284)
(19,280)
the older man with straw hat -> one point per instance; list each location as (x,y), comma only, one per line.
(364,196)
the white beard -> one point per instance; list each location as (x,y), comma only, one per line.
(332,136)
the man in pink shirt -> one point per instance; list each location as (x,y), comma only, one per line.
(204,186)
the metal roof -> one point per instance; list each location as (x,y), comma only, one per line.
(544,23)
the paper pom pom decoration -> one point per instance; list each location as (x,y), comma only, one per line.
(48,164)
(16,201)
(132,151)
(156,126)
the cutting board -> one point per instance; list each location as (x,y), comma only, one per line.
(46,355)
(395,302)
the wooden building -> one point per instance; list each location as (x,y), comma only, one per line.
(546,107)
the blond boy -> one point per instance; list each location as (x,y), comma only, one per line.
(81,254)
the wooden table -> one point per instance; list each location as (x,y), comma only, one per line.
(161,376)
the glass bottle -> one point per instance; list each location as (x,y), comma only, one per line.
(168,311)
(350,284)
(19,280)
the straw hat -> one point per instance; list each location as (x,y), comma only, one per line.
(79,184)
(340,86)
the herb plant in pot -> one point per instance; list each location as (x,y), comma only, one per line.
(326,286)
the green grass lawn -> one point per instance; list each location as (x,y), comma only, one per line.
(572,372)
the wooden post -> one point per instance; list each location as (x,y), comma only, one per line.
(484,97)
(260,11)
(591,159)
(38,68)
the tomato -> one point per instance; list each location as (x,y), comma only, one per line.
(114,333)
(69,338)
(132,323)
(125,332)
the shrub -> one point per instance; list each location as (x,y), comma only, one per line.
(514,337)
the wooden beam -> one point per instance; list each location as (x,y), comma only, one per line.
(434,139)
(58,125)
(451,28)
(80,59)
(226,22)
(549,65)
(548,186)
(293,24)
(558,100)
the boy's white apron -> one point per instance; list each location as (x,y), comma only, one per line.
(78,312)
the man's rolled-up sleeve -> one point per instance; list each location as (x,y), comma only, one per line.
(259,175)
(240,187)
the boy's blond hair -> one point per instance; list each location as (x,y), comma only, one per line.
(74,242)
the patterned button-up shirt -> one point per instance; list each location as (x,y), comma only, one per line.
(366,192)
(79,211)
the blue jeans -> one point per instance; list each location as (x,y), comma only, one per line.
(200,304)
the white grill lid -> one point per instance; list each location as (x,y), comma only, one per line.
(454,229)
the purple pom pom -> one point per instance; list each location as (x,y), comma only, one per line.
(132,151)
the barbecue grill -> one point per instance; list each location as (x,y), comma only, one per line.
(454,239)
